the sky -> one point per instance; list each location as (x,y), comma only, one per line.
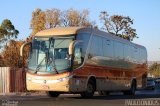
(146,15)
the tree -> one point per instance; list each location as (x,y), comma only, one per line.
(11,54)
(37,21)
(154,69)
(74,18)
(53,18)
(118,25)
(1,61)
(7,32)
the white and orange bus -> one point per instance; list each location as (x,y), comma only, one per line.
(84,60)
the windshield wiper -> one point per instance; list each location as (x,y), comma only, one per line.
(39,65)
(52,61)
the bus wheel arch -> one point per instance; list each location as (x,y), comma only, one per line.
(92,78)
(133,87)
(134,83)
(90,88)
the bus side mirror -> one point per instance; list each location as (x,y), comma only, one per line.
(70,50)
(71,46)
(22,48)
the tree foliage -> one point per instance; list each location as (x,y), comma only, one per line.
(52,18)
(7,31)
(1,61)
(37,21)
(154,69)
(118,25)
(74,18)
(11,55)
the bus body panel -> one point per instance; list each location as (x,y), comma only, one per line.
(114,65)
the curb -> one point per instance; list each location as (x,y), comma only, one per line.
(22,94)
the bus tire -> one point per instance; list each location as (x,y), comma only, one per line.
(53,94)
(103,93)
(90,90)
(132,89)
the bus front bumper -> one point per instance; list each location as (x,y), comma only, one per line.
(58,83)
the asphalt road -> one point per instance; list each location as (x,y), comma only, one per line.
(143,97)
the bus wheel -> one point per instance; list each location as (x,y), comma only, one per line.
(90,90)
(132,89)
(103,93)
(53,94)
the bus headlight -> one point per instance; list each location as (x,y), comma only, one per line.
(65,78)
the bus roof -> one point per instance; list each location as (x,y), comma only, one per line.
(59,31)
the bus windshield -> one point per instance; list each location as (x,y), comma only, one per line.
(49,55)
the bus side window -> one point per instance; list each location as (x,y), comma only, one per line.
(108,48)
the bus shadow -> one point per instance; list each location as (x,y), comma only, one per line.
(118,97)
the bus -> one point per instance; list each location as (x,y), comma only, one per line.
(79,60)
